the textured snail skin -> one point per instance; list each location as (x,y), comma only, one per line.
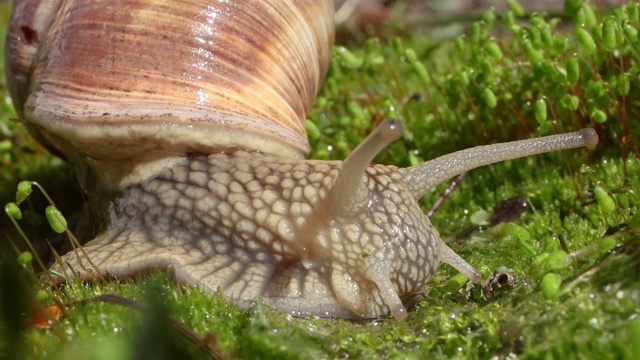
(258,225)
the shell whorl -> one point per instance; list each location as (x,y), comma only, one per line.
(127,78)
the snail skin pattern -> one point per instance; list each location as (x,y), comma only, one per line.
(185,122)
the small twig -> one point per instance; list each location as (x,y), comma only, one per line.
(445,193)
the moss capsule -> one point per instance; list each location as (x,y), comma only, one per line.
(489,98)
(540,110)
(533,54)
(494,50)
(13,211)
(515,6)
(24,190)
(550,286)
(573,70)
(57,222)
(623,85)
(25,258)
(609,33)
(605,201)
(629,31)
(347,57)
(556,260)
(599,116)
(585,39)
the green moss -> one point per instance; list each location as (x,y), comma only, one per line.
(439,90)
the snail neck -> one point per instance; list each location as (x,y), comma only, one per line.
(115,175)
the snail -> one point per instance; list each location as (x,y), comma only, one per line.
(185,122)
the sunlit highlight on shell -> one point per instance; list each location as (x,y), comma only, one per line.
(241,73)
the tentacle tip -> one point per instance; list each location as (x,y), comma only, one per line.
(399,312)
(390,129)
(475,276)
(589,137)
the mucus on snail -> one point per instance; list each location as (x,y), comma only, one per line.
(185,122)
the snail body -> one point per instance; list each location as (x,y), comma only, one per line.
(197,146)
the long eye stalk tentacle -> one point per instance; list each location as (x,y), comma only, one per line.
(348,187)
(449,256)
(421,178)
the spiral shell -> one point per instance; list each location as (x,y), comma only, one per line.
(120,80)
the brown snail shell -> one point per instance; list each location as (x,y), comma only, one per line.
(166,78)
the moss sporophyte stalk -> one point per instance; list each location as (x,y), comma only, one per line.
(573,254)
